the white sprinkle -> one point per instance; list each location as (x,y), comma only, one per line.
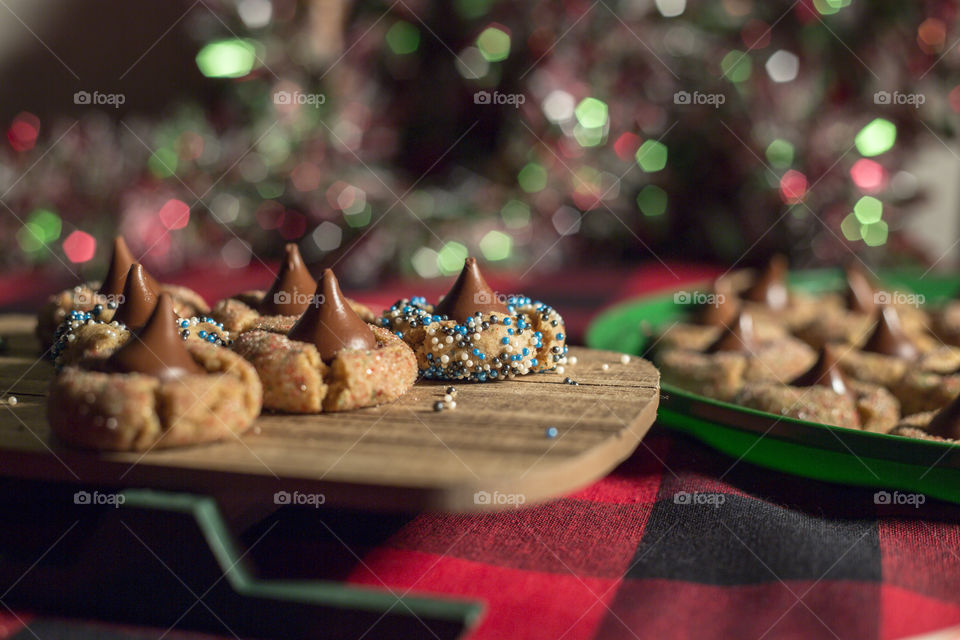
(434,340)
(560,369)
(447,397)
(605,366)
(453,404)
(449,340)
(12,400)
(469,363)
(624,359)
(444,359)
(464,355)
(572,360)
(111,423)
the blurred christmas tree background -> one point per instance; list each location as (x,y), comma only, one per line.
(397,138)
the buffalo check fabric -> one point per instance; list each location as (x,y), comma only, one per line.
(678,542)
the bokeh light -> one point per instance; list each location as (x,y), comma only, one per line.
(876,138)
(494,43)
(783,66)
(403,38)
(868,210)
(23,131)
(174,214)
(496,245)
(652,201)
(736,66)
(793,187)
(780,154)
(532,178)
(79,247)
(869,176)
(451,257)
(652,156)
(231,58)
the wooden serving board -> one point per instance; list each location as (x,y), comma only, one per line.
(491,452)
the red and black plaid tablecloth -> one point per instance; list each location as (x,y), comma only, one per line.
(679,542)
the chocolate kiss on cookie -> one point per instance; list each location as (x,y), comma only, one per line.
(140,296)
(860,293)
(290,293)
(157,349)
(946,422)
(770,287)
(468,295)
(888,337)
(738,336)
(825,372)
(120,263)
(723,310)
(330,323)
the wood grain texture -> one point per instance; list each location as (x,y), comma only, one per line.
(403,456)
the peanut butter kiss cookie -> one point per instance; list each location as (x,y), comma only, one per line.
(331,360)
(157,390)
(709,314)
(736,357)
(82,336)
(100,300)
(933,425)
(768,299)
(889,353)
(471,334)
(823,394)
(849,318)
(278,308)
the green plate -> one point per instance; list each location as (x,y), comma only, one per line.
(813,450)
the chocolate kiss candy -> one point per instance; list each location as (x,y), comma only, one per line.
(157,349)
(825,372)
(469,294)
(888,337)
(860,292)
(738,336)
(722,310)
(330,323)
(770,287)
(946,422)
(290,293)
(139,298)
(120,264)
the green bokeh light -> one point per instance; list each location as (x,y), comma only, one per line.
(589,137)
(532,178)
(736,66)
(652,201)
(850,228)
(472,9)
(451,257)
(868,210)
(652,156)
(591,113)
(47,223)
(494,44)
(780,153)
(403,38)
(496,245)
(233,58)
(163,162)
(876,138)
(515,214)
(360,218)
(875,235)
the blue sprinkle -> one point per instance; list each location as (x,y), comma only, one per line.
(552,432)
(510,331)
(506,322)
(559,336)
(505,340)
(533,362)
(526,351)
(202,334)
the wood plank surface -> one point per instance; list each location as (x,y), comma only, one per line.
(402,456)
